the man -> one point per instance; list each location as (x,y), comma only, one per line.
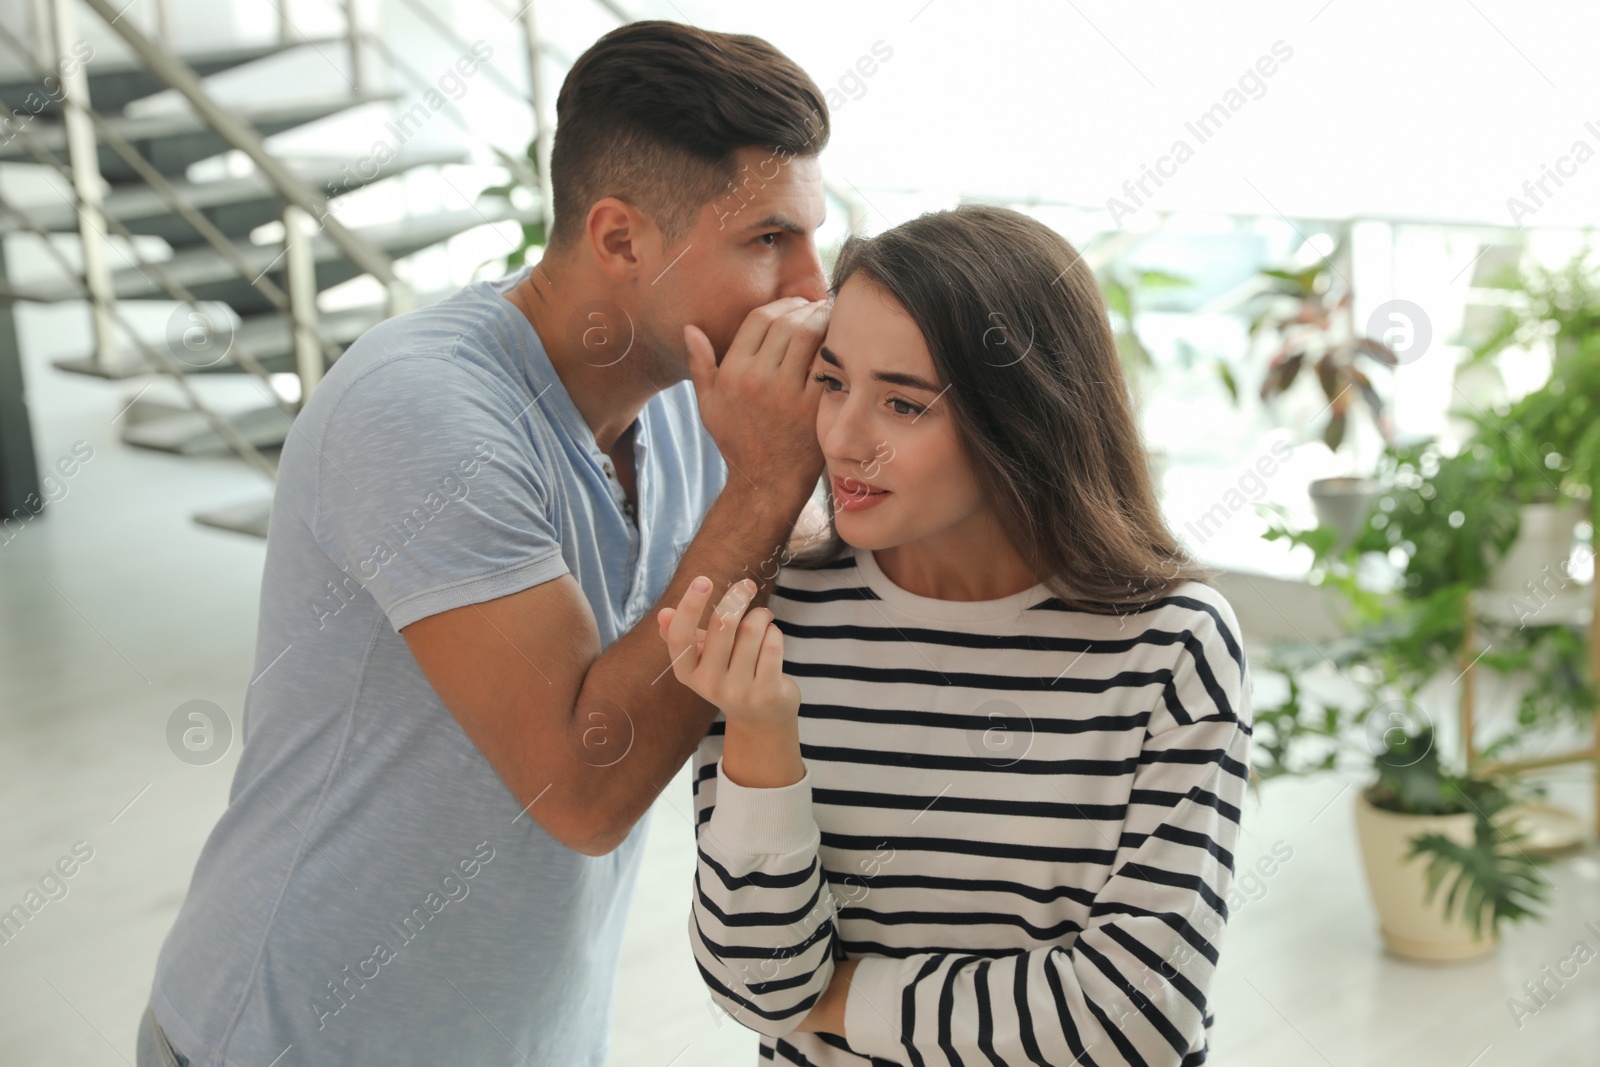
(461,708)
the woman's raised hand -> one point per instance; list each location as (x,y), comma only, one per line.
(737,663)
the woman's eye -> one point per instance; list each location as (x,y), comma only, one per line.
(895,403)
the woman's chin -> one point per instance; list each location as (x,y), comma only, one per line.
(863,539)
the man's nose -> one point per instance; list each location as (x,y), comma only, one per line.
(810,282)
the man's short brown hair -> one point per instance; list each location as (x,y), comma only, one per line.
(653,112)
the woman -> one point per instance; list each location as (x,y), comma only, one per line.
(973,792)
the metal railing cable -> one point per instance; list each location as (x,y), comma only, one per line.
(452,110)
(153,353)
(240,135)
(170,197)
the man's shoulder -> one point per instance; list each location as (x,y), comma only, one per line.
(404,383)
(400,402)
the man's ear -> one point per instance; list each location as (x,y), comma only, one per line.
(622,238)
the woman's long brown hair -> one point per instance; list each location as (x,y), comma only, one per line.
(1018,330)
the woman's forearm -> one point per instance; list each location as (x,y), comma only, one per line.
(827,1014)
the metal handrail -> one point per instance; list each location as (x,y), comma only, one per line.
(542,135)
(157,357)
(168,194)
(55,29)
(243,137)
(173,288)
(453,110)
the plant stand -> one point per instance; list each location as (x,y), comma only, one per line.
(1578,606)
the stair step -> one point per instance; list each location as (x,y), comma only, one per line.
(234,205)
(211,277)
(269,338)
(115,83)
(248,518)
(171,142)
(191,434)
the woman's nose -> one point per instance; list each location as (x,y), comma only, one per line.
(846,443)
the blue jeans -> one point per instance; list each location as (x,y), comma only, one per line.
(154,1049)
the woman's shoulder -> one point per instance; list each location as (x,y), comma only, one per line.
(1190,616)
(1201,606)
(1200,611)
(1187,605)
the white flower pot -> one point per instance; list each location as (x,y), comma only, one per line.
(1542,552)
(1411,928)
(1343,503)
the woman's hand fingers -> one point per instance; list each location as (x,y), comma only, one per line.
(664,616)
(724,626)
(746,650)
(768,666)
(769,676)
(737,662)
(700,657)
(680,630)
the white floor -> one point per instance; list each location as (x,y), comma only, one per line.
(115,608)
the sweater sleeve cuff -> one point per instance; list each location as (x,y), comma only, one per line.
(751,821)
(871,1008)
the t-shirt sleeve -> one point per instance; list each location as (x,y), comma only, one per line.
(430,493)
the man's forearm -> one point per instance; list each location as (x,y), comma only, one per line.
(634,723)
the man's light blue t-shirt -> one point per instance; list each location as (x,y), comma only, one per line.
(373,893)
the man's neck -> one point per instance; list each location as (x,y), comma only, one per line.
(610,396)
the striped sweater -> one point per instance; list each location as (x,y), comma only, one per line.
(1020,818)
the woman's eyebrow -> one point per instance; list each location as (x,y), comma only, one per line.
(910,381)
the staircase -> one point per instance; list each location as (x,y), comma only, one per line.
(244,292)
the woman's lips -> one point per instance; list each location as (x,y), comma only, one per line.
(853,495)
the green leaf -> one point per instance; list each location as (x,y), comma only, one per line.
(1333,433)
(1229,382)
(1155,279)
(1117,299)
(1486,883)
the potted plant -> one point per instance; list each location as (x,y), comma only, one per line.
(1550,437)
(1442,855)
(1443,524)
(1427,832)
(1303,319)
